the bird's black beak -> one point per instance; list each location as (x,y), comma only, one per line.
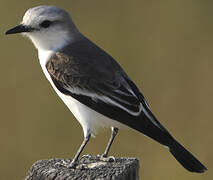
(19,29)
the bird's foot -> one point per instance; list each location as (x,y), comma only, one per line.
(72,165)
(67,164)
(104,158)
(86,156)
(63,163)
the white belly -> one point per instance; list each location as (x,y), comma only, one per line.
(89,119)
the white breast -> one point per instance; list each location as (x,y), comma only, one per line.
(89,119)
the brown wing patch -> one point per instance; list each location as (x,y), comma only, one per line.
(64,69)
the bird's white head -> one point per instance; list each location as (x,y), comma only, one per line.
(48,27)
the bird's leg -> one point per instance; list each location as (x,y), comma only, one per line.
(86,139)
(114,132)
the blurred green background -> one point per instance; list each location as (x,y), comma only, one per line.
(166,47)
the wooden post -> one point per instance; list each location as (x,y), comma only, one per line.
(89,167)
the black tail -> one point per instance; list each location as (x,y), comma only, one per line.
(186,159)
(159,133)
(151,127)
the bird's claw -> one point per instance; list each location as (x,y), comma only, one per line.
(104,158)
(72,165)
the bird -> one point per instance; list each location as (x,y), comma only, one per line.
(92,84)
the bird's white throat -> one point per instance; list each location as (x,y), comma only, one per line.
(50,41)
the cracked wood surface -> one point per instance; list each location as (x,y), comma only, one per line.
(88,167)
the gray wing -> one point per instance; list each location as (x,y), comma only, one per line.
(83,80)
(92,77)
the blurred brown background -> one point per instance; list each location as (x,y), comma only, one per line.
(166,47)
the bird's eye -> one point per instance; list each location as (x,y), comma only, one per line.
(45,24)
